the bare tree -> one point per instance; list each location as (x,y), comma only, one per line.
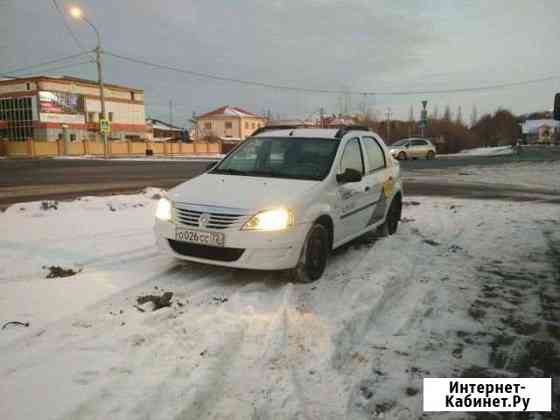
(474,116)
(459,117)
(447,113)
(435,113)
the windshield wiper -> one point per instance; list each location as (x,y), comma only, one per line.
(229,172)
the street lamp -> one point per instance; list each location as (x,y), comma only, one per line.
(78,14)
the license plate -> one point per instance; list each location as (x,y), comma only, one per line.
(200,237)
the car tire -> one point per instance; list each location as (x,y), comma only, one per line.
(431,155)
(314,255)
(391,223)
(401,156)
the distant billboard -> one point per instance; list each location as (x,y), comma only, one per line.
(60,102)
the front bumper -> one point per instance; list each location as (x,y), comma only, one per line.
(262,250)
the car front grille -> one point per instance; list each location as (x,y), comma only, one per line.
(218,218)
(215,253)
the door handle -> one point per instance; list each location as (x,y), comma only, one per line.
(367,189)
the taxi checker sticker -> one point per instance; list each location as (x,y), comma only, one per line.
(388,187)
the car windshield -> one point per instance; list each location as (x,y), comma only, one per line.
(296,158)
(401,142)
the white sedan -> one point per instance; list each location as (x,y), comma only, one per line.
(284,199)
(413,148)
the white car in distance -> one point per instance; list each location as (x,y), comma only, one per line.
(283,200)
(413,148)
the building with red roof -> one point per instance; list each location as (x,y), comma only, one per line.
(228,122)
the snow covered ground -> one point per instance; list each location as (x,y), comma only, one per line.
(465,288)
(484,151)
(538,175)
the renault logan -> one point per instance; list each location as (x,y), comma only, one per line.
(283,200)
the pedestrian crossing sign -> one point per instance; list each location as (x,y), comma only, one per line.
(104,126)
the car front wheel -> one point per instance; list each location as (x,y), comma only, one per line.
(314,255)
(401,156)
(391,224)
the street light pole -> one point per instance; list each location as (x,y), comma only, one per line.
(78,14)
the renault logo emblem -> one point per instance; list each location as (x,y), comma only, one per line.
(203,220)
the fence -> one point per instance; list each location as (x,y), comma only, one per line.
(35,148)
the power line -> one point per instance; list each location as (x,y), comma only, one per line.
(43,64)
(65,66)
(216,77)
(331,91)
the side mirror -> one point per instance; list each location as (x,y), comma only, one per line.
(349,175)
(407,145)
(557,107)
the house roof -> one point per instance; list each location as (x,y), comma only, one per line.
(229,111)
(532,126)
(66,79)
(161,125)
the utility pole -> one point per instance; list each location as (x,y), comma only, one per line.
(388,114)
(101,91)
(171,111)
(423,118)
(77,13)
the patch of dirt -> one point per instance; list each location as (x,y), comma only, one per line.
(158,302)
(56,271)
(523,328)
(411,391)
(219,300)
(410,203)
(49,205)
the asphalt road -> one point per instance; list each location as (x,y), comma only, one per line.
(58,179)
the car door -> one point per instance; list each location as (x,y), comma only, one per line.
(419,148)
(351,197)
(375,178)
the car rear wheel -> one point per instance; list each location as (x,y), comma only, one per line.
(431,155)
(314,255)
(401,156)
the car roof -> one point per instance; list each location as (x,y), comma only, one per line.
(304,132)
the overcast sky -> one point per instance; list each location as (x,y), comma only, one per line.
(355,45)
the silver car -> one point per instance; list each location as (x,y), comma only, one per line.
(413,148)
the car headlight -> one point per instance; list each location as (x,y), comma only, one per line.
(271,220)
(163,211)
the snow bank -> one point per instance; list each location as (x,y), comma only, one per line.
(427,302)
(483,151)
(525,174)
(186,158)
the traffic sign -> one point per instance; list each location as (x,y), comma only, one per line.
(104,126)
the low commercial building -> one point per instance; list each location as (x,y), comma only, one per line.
(48,108)
(228,122)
